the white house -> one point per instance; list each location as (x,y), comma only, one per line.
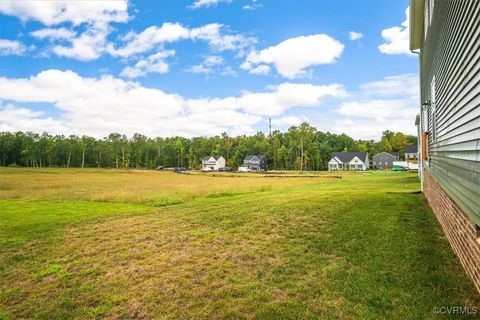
(349,161)
(213,163)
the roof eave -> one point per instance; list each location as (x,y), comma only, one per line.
(417,9)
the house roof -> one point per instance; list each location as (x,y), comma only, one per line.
(411,148)
(392,153)
(250,157)
(208,158)
(348,156)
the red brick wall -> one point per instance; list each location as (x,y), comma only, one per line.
(461,231)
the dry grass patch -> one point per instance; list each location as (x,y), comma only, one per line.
(302,248)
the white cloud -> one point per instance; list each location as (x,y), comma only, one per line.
(199,69)
(12,47)
(391,103)
(154,63)
(154,36)
(72,11)
(90,45)
(53,33)
(260,69)
(276,101)
(213,60)
(252,6)
(208,65)
(206,3)
(96,15)
(22,119)
(397,39)
(293,56)
(98,106)
(150,38)
(353,35)
(288,121)
(399,85)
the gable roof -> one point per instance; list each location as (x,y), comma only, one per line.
(251,157)
(346,157)
(411,148)
(392,153)
(206,158)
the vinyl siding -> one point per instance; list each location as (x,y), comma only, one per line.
(450,57)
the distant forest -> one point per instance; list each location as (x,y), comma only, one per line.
(300,148)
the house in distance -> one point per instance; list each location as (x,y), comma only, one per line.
(210,163)
(411,152)
(255,162)
(384,160)
(349,161)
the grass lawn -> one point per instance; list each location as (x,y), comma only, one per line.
(88,244)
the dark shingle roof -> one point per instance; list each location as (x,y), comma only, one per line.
(250,157)
(348,156)
(208,158)
(392,153)
(411,148)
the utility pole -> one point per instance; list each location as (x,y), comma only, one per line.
(270,127)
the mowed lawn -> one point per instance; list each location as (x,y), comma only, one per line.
(86,244)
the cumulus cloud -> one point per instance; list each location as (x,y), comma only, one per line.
(53,33)
(206,3)
(260,69)
(155,36)
(288,121)
(96,15)
(398,85)
(98,106)
(253,6)
(154,63)
(293,56)
(210,65)
(12,48)
(391,103)
(353,35)
(275,101)
(397,38)
(15,118)
(72,11)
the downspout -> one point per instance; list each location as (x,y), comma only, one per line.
(420,159)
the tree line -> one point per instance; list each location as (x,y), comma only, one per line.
(299,148)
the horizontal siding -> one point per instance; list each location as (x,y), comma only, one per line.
(451,55)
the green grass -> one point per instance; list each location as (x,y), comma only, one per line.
(236,246)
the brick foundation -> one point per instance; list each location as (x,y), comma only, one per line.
(461,231)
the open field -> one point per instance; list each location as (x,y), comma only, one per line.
(115,244)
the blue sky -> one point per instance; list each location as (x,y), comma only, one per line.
(202,67)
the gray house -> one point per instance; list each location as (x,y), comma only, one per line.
(445,36)
(384,160)
(255,162)
(411,152)
(349,161)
